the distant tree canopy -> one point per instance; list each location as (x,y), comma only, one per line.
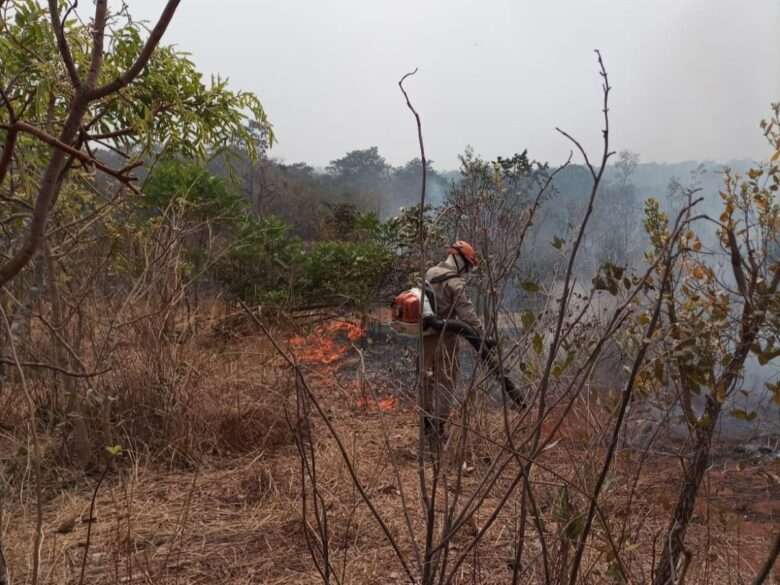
(360,170)
(324,204)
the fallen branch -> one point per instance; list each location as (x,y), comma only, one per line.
(54,368)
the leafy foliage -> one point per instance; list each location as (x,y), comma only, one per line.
(260,259)
(717,317)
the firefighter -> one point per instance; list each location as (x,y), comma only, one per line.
(440,349)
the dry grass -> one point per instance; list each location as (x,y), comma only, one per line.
(234,514)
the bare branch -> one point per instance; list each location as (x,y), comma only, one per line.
(143,58)
(98,34)
(428,499)
(423,160)
(580,149)
(627,394)
(7,102)
(47,193)
(8,152)
(90,161)
(110,135)
(62,43)
(736,265)
(54,368)
(567,283)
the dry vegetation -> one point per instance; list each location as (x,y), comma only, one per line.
(229,508)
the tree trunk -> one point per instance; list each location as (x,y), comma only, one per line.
(26,293)
(673,546)
(58,351)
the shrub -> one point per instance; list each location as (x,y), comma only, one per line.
(349,271)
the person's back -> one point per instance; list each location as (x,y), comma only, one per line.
(449,288)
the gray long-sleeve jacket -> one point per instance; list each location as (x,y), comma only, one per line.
(452,299)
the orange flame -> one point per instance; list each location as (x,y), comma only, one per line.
(321,345)
(386,404)
(327,344)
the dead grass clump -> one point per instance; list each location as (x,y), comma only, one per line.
(259,485)
(258,427)
(236,324)
(176,400)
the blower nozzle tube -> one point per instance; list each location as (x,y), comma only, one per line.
(483,347)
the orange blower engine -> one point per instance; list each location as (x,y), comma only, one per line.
(408,308)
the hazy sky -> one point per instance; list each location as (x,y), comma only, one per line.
(691,78)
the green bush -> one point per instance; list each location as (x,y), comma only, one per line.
(187,186)
(261,260)
(351,272)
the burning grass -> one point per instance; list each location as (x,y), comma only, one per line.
(325,344)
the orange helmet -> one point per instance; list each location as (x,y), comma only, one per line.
(466,251)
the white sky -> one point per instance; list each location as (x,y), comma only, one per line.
(691,78)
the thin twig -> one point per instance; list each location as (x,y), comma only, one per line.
(91,520)
(62,43)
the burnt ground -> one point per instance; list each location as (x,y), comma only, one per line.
(237,518)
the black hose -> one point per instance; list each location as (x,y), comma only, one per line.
(483,347)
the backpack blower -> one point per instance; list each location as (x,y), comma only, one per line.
(412,306)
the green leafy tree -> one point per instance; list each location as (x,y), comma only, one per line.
(69,88)
(359,170)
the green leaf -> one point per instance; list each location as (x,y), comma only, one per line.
(740,414)
(527,318)
(114,450)
(557,243)
(575,527)
(531,286)
(538,344)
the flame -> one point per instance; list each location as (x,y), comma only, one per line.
(327,344)
(321,346)
(386,404)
